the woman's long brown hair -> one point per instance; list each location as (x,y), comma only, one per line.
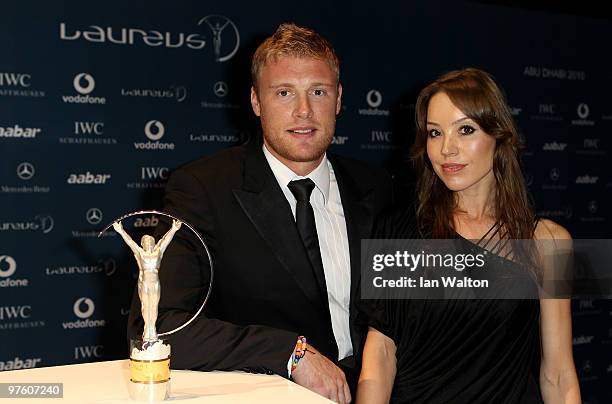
(477,95)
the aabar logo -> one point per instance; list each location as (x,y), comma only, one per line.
(18,363)
(587,179)
(150,221)
(339,140)
(17,131)
(583,340)
(88,179)
(554,146)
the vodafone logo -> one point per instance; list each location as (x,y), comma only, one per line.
(154,130)
(583,111)
(374,98)
(84,83)
(8,266)
(89,307)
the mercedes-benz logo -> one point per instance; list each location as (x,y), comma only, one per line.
(218,25)
(555,174)
(374,98)
(94,216)
(582,111)
(90,83)
(156,134)
(10,262)
(220,89)
(25,170)
(83,313)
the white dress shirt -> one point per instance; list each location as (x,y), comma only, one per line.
(333,241)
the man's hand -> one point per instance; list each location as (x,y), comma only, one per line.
(319,374)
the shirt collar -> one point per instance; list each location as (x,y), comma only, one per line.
(284,175)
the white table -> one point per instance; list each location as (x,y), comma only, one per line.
(107,382)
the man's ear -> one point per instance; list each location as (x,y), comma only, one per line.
(255,102)
(339,99)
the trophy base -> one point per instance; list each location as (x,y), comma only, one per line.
(149,392)
(149,370)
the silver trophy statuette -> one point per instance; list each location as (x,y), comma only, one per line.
(149,258)
(150,356)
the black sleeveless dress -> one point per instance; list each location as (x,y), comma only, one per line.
(458,351)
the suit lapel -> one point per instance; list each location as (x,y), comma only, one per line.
(266,206)
(359,219)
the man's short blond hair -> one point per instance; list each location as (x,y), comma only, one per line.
(292,40)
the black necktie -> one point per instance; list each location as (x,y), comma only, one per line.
(307,227)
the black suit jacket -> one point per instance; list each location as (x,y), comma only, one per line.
(265,293)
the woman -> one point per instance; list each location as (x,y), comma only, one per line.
(470,187)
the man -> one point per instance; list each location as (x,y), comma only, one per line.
(279,273)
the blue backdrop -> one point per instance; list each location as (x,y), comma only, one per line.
(99,102)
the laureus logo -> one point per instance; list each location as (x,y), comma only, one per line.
(84,84)
(226,38)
